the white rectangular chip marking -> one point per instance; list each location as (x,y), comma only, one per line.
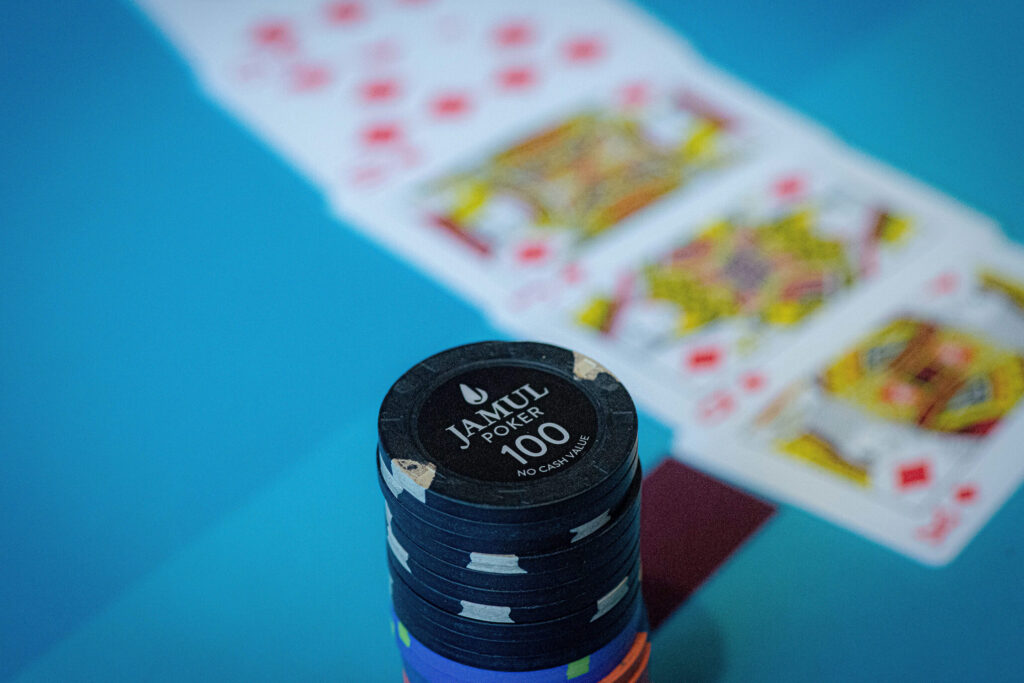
(495,564)
(587,528)
(400,553)
(493,613)
(611,599)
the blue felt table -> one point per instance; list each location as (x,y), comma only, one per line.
(192,351)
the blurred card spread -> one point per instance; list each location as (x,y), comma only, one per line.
(816,326)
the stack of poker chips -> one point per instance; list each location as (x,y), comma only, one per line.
(512,491)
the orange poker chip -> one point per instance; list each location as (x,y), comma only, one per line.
(641,675)
(633,667)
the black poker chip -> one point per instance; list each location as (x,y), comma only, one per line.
(507,432)
(515,647)
(523,572)
(396,487)
(527,538)
(512,485)
(491,580)
(506,637)
(509,635)
(539,604)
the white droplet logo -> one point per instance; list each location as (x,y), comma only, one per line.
(474,397)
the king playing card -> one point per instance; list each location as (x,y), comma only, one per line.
(910,433)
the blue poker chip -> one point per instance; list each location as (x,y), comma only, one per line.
(507,432)
(423,664)
(412,675)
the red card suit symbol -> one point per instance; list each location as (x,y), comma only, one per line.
(635,94)
(572,273)
(380,90)
(752,381)
(451,105)
(945,283)
(716,406)
(789,186)
(513,34)
(532,252)
(936,531)
(581,50)
(275,34)
(309,77)
(344,13)
(516,78)
(966,493)
(914,474)
(704,358)
(382,133)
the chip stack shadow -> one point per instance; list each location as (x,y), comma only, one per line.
(511,483)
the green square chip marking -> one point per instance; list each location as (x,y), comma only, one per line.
(403,633)
(577,668)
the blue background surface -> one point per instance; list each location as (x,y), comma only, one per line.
(192,351)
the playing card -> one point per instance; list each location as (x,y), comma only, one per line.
(362,94)
(707,307)
(575,169)
(491,143)
(221,36)
(910,433)
(509,222)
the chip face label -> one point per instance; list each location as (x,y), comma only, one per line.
(507,423)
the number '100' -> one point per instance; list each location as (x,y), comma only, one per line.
(533,447)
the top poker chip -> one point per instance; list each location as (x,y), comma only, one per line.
(507,432)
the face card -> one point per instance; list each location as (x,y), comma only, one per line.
(710,303)
(579,177)
(910,434)
(512,222)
